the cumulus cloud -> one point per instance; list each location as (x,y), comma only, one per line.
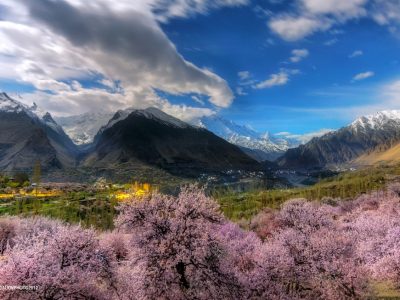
(298,55)
(356,53)
(53,43)
(363,75)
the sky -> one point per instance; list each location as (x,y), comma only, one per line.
(295,66)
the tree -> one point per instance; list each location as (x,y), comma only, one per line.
(176,253)
(181,247)
(8,228)
(21,178)
(64,261)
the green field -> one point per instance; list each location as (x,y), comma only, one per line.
(238,206)
(98,208)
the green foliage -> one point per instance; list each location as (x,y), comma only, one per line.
(21,178)
(13,184)
(238,206)
(4,179)
(88,209)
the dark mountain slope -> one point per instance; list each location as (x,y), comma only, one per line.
(364,135)
(25,137)
(154,138)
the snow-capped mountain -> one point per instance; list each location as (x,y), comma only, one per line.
(244,136)
(151,113)
(10,105)
(82,128)
(28,134)
(150,137)
(377,121)
(366,134)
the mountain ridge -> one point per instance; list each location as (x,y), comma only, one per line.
(345,145)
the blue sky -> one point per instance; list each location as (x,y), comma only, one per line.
(296,66)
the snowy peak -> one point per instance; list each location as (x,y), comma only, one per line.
(156,114)
(351,144)
(8,104)
(245,136)
(82,128)
(226,128)
(377,121)
(149,113)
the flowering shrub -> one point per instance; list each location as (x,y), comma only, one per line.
(181,247)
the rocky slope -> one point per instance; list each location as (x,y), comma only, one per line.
(28,135)
(364,135)
(151,137)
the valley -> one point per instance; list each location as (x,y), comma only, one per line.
(151,147)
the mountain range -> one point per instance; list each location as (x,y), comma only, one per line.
(360,142)
(130,139)
(260,146)
(150,136)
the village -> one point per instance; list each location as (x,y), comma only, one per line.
(19,186)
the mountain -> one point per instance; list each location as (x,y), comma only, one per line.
(391,155)
(365,135)
(28,134)
(82,128)
(151,137)
(259,146)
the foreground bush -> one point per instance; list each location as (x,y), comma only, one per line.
(182,248)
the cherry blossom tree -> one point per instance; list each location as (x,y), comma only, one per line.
(181,247)
(180,256)
(63,261)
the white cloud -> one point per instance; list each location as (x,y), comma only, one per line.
(331,42)
(278,79)
(298,55)
(307,17)
(356,53)
(243,75)
(197,99)
(240,91)
(386,12)
(51,43)
(306,137)
(363,75)
(166,9)
(246,81)
(292,28)
(391,93)
(339,8)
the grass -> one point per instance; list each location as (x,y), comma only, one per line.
(237,206)
(89,209)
